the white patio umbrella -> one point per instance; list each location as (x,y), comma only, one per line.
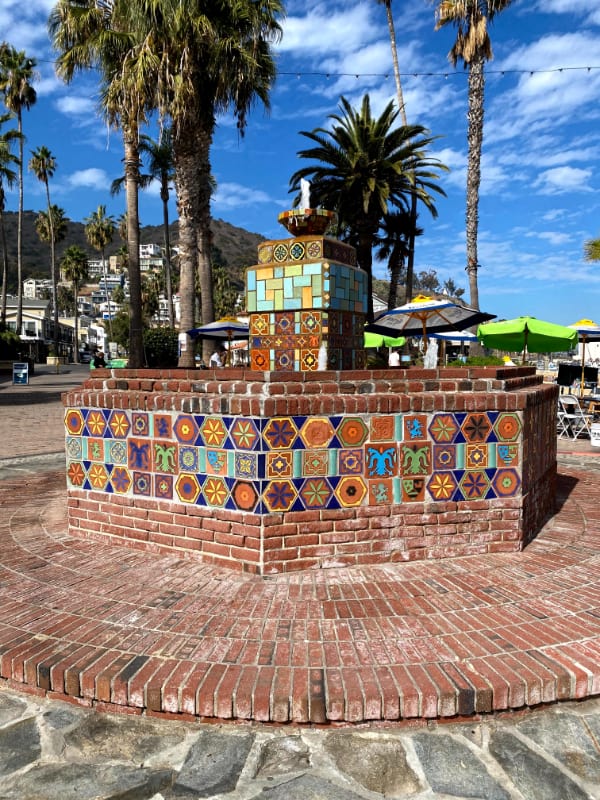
(228,328)
(425,316)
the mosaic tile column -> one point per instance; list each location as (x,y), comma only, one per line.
(306,299)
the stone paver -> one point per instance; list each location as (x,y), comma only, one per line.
(50,750)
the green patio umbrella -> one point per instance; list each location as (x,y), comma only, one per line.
(528,334)
(379,340)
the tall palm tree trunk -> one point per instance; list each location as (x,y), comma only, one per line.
(4,266)
(53,274)
(76,297)
(19,320)
(475,141)
(204,239)
(164,196)
(132,172)
(364,253)
(184,156)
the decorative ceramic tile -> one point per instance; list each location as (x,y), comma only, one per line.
(506,483)
(185,429)
(116,451)
(142,483)
(383,428)
(415,427)
(443,428)
(76,473)
(215,492)
(351,461)
(351,491)
(187,487)
(246,465)
(413,490)
(316,493)
(415,458)
(280,465)
(245,495)
(139,455)
(444,457)
(163,426)
(119,424)
(120,480)
(280,495)
(508,427)
(382,460)
(244,434)
(381,492)
(74,422)
(317,432)
(442,485)
(189,458)
(352,432)
(477,456)
(474,485)
(165,457)
(95,450)
(280,433)
(163,487)
(140,423)
(476,427)
(95,423)
(74,447)
(507,455)
(216,462)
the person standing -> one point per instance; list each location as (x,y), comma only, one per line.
(394,358)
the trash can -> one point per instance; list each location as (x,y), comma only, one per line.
(595,434)
(21,372)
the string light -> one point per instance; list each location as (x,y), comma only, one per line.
(502,72)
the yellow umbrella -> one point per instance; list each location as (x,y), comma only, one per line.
(588,331)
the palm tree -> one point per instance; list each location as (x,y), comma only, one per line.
(8,177)
(43,164)
(74,266)
(203,59)
(160,168)
(366,166)
(392,32)
(89,34)
(16,75)
(591,250)
(100,231)
(474,47)
(393,243)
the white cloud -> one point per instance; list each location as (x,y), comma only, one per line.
(234,195)
(323,30)
(76,106)
(561,180)
(92,178)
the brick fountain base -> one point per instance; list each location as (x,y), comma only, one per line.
(274,472)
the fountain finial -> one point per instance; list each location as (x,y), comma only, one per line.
(304,193)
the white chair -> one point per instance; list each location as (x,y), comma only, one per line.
(572,421)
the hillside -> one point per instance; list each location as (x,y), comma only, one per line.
(236,247)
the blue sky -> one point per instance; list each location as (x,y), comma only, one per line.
(540,192)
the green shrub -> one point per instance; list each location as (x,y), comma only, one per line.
(478,361)
(10,345)
(161,346)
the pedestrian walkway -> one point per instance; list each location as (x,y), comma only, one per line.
(393,649)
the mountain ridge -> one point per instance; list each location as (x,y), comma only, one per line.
(235,248)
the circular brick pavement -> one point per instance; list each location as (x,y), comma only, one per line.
(117,627)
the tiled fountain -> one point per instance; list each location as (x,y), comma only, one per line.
(307,459)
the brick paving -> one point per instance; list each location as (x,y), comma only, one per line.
(120,629)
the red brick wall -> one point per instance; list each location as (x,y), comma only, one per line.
(275,542)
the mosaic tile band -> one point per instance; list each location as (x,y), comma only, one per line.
(295,463)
